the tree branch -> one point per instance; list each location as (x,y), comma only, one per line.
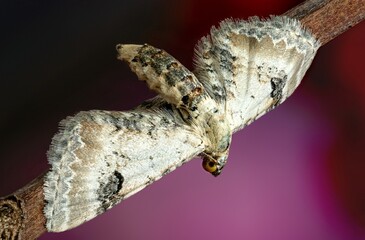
(21,213)
(328,18)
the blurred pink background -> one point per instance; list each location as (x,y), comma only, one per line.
(296,173)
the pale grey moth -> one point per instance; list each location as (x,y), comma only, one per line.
(243,69)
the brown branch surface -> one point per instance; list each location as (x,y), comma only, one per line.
(328,18)
(21,214)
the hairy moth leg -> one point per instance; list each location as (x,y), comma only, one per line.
(162,73)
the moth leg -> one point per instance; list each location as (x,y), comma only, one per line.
(162,73)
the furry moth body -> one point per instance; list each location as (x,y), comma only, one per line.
(243,69)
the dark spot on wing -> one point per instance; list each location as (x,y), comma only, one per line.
(115,121)
(185,99)
(225,58)
(219,93)
(170,80)
(160,61)
(277,85)
(175,75)
(108,191)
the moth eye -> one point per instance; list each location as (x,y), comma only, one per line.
(209,165)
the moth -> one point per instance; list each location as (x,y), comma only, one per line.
(243,69)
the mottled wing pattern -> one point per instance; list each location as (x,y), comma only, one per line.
(243,69)
(254,65)
(162,73)
(95,164)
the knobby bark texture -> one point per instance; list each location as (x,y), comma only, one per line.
(21,213)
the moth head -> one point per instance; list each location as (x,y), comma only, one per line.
(214,165)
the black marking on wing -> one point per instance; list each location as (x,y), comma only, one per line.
(277,85)
(107,192)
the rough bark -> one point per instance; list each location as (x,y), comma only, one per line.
(21,213)
(328,18)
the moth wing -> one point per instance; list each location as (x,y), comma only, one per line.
(100,158)
(257,64)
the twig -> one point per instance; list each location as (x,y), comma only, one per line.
(21,214)
(328,18)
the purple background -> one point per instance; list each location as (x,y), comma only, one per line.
(296,173)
